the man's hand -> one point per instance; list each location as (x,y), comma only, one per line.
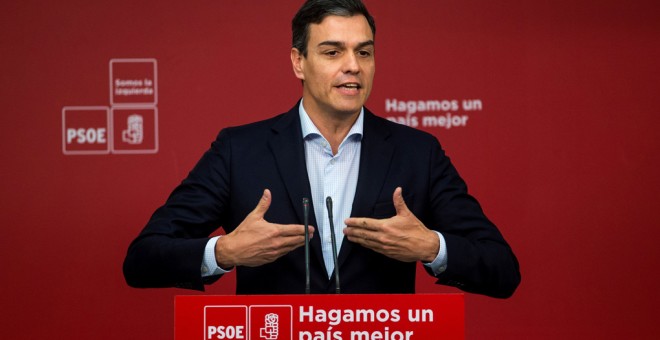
(256,241)
(402,237)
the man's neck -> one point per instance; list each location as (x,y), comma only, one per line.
(333,127)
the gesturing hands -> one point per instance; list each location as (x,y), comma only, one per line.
(402,237)
(256,241)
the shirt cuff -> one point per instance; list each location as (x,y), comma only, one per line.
(439,264)
(209,265)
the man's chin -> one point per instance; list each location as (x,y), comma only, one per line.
(347,111)
(348,108)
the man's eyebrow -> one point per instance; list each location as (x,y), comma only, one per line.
(332,43)
(365,44)
(340,44)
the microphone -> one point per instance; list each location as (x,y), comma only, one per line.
(306,214)
(328,204)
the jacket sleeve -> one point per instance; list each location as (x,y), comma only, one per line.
(169,250)
(479,260)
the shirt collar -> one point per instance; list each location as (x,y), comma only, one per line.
(308,127)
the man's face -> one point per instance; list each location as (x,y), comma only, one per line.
(339,68)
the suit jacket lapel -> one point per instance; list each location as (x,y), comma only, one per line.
(375,162)
(288,148)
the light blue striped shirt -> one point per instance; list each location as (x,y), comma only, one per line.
(332,176)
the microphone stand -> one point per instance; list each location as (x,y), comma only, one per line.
(306,213)
(328,203)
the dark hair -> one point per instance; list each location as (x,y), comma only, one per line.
(314,11)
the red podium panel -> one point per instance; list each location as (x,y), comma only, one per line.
(319,317)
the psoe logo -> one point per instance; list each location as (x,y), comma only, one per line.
(134,130)
(85,130)
(271,322)
(225,322)
(134,133)
(271,327)
(128,126)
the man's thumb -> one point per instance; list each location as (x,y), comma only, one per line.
(399,203)
(263,205)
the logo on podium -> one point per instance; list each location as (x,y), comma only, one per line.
(271,322)
(265,322)
(271,328)
(225,322)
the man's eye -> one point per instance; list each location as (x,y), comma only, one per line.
(331,53)
(364,53)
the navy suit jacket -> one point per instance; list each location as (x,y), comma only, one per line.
(229,180)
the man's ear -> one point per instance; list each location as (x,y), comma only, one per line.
(297,62)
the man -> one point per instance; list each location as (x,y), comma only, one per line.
(398,199)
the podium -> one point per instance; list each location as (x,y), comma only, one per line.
(320,317)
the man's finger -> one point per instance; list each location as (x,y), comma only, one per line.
(294,230)
(399,204)
(363,223)
(263,205)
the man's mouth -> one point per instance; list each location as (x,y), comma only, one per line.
(351,86)
(349,89)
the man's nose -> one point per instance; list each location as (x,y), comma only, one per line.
(351,64)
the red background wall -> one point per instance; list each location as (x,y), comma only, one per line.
(563,156)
